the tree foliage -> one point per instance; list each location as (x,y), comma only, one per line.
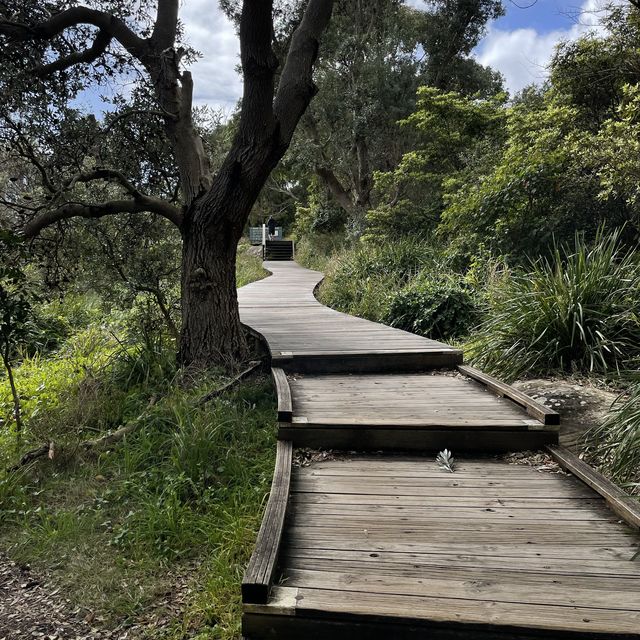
(374,58)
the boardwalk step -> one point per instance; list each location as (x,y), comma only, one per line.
(412,411)
(278,250)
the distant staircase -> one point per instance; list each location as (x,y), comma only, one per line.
(278,250)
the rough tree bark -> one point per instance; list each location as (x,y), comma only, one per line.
(215,208)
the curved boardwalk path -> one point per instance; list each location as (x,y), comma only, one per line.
(388,545)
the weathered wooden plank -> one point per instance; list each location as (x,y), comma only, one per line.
(461,563)
(449,514)
(427,501)
(527,485)
(258,576)
(558,581)
(619,502)
(497,588)
(535,409)
(494,614)
(283,392)
(624,552)
(389,533)
(460,421)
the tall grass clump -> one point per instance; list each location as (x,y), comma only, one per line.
(315,251)
(574,312)
(616,442)
(362,280)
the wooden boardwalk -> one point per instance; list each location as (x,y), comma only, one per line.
(304,335)
(388,545)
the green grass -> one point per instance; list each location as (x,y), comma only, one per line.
(178,501)
(248,267)
(576,312)
(187,486)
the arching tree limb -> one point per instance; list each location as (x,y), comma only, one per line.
(72,17)
(105,174)
(100,44)
(99,210)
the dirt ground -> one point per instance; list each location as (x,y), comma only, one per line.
(29,608)
(581,406)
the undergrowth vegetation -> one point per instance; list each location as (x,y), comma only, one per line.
(406,284)
(177,501)
(615,444)
(576,311)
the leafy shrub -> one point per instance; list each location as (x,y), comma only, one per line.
(577,311)
(440,308)
(617,441)
(362,280)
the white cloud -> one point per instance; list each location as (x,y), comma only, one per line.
(523,55)
(207,29)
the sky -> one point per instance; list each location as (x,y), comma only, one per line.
(519,44)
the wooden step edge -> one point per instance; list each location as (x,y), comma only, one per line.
(283,392)
(621,503)
(259,574)
(539,411)
(303,422)
(366,361)
(425,440)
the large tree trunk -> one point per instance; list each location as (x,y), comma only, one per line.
(211,328)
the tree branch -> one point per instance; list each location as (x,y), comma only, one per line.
(112,207)
(72,17)
(296,87)
(132,112)
(339,193)
(100,44)
(104,174)
(328,177)
(253,365)
(259,64)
